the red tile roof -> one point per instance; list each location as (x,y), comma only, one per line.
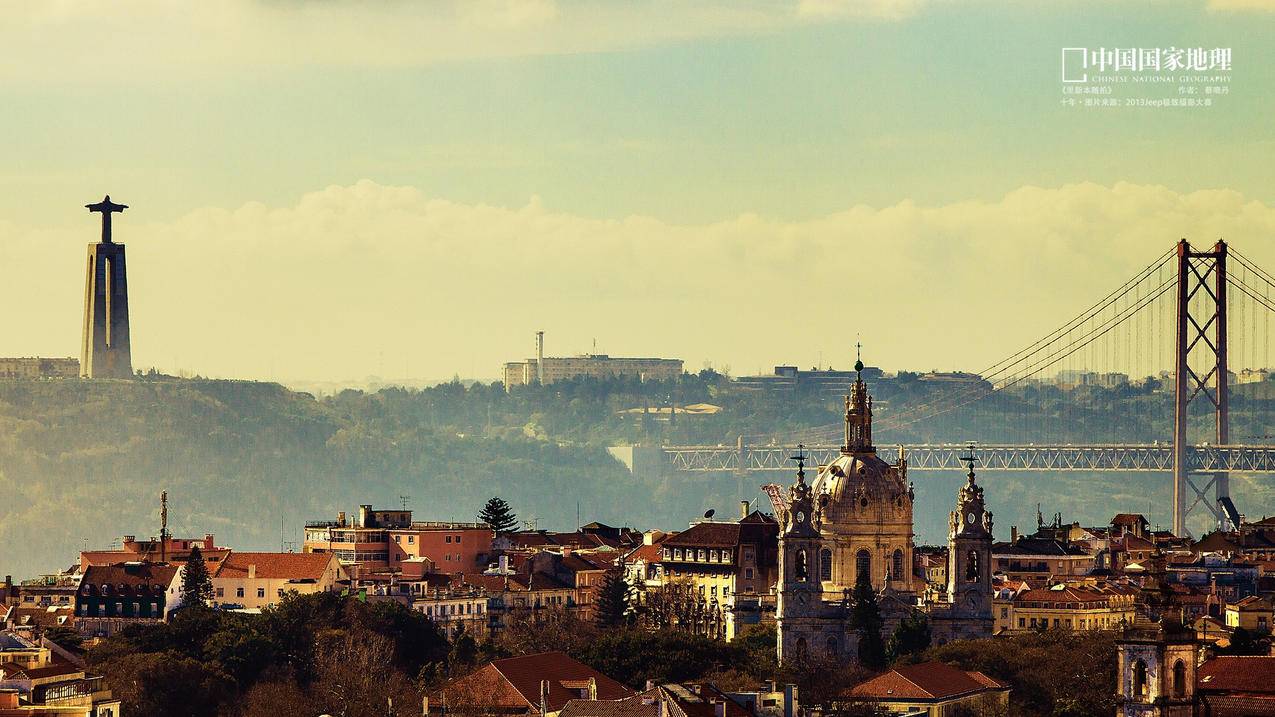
(925,681)
(275,566)
(706,535)
(1237,674)
(515,682)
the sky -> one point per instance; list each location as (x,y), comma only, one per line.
(326,191)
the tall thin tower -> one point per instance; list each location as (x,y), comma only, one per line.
(106,351)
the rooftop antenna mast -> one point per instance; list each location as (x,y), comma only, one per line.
(163,526)
(402,499)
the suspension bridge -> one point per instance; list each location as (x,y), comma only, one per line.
(1163,342)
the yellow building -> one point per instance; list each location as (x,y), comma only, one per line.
(933,689)
(35,367)
(257,580)
(1252,613)
(44,679)
(1070,607)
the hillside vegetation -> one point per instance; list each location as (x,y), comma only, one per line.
(83,462)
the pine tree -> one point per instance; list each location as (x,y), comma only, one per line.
(497,514)
(612,607)
(911,637)
(197,588)
(866,618)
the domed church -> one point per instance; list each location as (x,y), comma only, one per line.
(855,517)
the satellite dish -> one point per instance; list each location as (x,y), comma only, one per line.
(709,513)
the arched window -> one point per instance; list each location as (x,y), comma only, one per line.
(896,565)
(863,564)
(801,571)
(1139,678)
(971,566)
(831,647)
(1179,679)
(825,564)
(801,647)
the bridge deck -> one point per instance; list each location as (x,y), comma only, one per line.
(1115,457)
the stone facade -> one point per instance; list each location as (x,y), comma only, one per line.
(856,517)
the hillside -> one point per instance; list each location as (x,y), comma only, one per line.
(83,462)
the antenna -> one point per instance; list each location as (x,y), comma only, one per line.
(163,526)
(402,499)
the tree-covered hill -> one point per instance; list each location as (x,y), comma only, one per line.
(83,462)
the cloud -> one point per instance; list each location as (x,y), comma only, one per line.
(363,279)
(874,9)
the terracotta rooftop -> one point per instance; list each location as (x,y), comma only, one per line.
(515,681)
(706,535)
(927,681)
(1237,674)
(275,566)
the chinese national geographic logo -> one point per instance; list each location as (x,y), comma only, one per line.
(1145,76)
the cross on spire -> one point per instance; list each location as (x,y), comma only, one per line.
(971,459)
(801,462)
(106,207)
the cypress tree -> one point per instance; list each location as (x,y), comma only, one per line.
(612,608)
(497,514)
(866,618)
(911,637)
(197,590)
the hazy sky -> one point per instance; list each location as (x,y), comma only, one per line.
(328,190)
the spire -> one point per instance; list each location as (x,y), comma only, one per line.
(858,412)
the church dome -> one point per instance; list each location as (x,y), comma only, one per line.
(862,488)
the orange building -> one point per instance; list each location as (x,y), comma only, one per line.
(381,541)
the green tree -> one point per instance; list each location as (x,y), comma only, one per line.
(866,619)
(197,590)
(497,514)
(612,607)
(911,637)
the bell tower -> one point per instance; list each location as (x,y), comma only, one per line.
(799,600)
(969,554)
(858,415)
(106,351)
(1156,670)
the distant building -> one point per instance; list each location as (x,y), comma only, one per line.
(257,580)
(1072,607)
(389,541)
(42,678)
(955,379)
(522,373)
(36,367)
(112,597)
(154,550)
(527,685)
(932,689)
(791,378)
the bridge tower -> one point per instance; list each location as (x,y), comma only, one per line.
(1202,335)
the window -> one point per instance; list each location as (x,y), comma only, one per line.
(239,592)
(712,556)
(896,565)
(261,592)
(449,540)
(411,539)
(1004,613)
(702,555)
(748,573)
(863,564)
(280,592)
(1179,679)
(398,538)
(801,570)
(221,592)
(1022,622)
(972,568)
(458,540)
(825,564)
(1139,678)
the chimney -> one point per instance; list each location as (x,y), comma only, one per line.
(743,509)
(544,698)
(593,689)
(252,571)
(365,513)
(540,357)
(719,709)
(209,543)
(650,685)
(340,518)
(1013,535)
